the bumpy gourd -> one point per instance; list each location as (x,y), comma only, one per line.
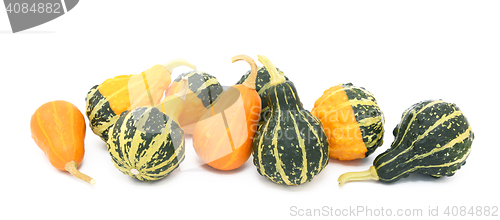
(223,136)
(290,147)
(204,89)
(352,120)
(105,102)
(433,138)
(147,143)
(262,84)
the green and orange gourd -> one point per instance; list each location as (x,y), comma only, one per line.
(105,102)
(352,120)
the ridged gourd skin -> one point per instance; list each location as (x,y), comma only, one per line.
(262,84)
(146,144)
(352,120)
(204,90)
(433,138)
(290,147)
(99,113)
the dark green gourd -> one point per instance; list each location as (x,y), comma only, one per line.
(290,147)
(147,143)
(433,138)
(262,84)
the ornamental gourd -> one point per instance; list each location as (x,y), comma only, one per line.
(262,84)
(223,136)
(204,89)
(352,120)
(147,143)
(433,138)
(105,102)
(58,128)
(290,147)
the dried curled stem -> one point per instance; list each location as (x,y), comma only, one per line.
(71,167)
(178,62)
(250,81)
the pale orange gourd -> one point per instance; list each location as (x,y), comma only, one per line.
(223,137)
(58,128)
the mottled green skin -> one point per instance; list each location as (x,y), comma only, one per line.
(147,140)
(373,134)
(262,84)
(99,113)
(207,93)
(290,147)
(433,138)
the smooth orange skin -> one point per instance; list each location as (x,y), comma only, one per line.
(345,141)
(58,128)
(228,148)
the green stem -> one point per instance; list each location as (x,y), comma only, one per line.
(357,176)
(276,77)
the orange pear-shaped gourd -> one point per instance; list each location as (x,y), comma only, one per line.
(223,136)
(58,128)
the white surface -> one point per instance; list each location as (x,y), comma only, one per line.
(403,52)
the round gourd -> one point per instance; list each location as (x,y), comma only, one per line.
(433,138)
(147,143)
(290,147)
(105,102)
(352,120)
(204,89)
(262,84)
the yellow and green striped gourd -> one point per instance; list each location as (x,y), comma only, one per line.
(433,138)
(290,147)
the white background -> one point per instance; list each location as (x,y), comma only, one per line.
(402,51)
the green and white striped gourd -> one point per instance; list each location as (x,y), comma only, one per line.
(290,147)
(433,138)
(147,143)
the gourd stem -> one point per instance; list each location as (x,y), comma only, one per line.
(178,62)
(276,77)
(184,89)
(356,176)
(71,167)
(250,81)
